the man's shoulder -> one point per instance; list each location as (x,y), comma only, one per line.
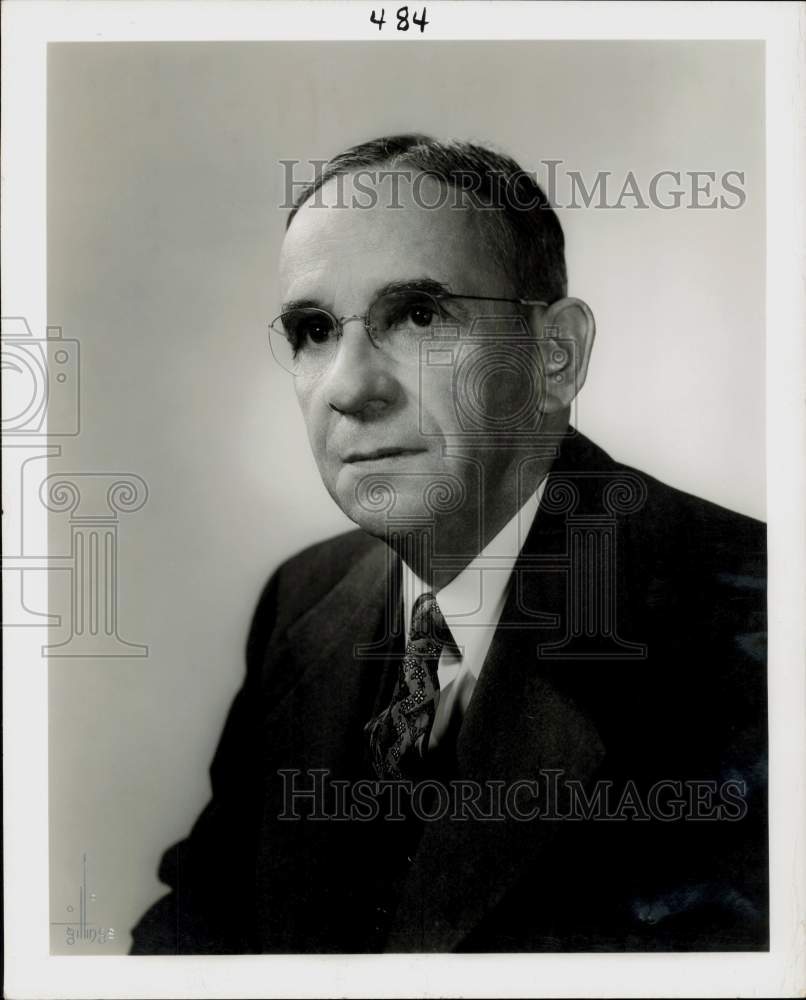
(678,522)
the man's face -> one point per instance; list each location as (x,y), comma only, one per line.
(379,422)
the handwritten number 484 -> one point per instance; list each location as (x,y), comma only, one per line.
(402,15)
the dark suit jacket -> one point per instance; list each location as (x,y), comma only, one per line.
(631,651)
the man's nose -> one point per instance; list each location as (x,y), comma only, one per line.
(359,381)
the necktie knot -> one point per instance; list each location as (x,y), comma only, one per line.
(427,621)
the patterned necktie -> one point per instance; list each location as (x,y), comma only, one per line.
(406,724)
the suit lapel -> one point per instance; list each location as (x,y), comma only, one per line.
(339,652)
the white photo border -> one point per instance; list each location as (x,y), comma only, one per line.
(30,969)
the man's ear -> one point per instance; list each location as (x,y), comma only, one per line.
(566,330)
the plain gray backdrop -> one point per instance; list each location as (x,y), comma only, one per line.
(163,234)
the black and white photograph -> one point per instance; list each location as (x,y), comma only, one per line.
(399,523)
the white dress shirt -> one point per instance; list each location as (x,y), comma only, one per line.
(471,604)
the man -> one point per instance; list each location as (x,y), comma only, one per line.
(523,707)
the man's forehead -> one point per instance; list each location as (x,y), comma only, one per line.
(348,234)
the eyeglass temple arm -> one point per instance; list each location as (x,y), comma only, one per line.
(493,298)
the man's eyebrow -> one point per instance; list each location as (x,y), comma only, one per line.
(429,285)
(300,304)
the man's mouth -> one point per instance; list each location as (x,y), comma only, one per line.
(377,454)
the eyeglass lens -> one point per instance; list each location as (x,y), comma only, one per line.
(306,339)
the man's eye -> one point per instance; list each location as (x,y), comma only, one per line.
(422,315)
(309,330)
(402,313)
(316,330)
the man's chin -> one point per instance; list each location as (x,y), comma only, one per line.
(398,500)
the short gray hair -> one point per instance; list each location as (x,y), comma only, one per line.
(525,231)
